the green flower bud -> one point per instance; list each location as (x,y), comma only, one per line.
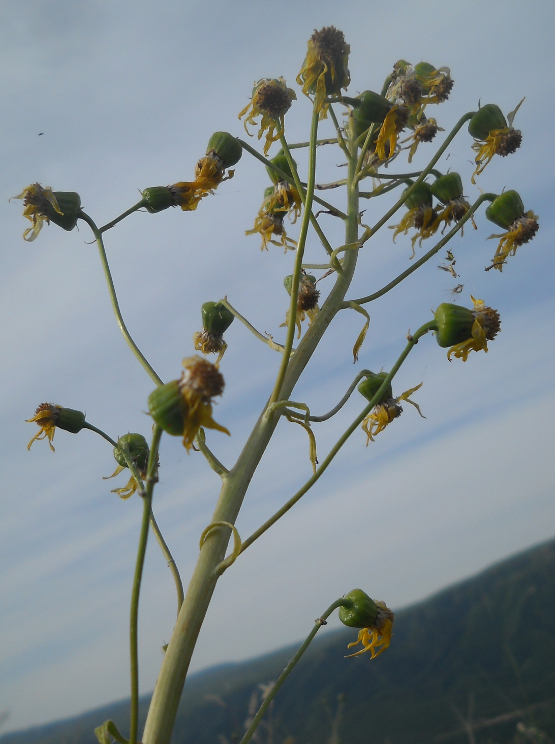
(505,209)
(424,70)
(422,194)
(168,408)
(69,203)
(137,449)
(370,386)
(280,161)
(454,324)
(360,612)
(447,188)
(70,420)
(227,148)
(370,106)
(305,279)
(216,318)
(486,119)
(158,198)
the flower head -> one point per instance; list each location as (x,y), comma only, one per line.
(136,448)
(49,417)
(437,84)
(182,406)
(186,195)
(377,637)
(279,200)
(39,205)
(216,319)
(307,300)
(422,217)
(466,330)
(385,412)
(271,99)
(424,131)
(325,69)
(520,232)
(494,135)
(394,123)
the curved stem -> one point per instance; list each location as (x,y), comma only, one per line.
(413,340)
(103,434)
(170,560)
(137,206)
(426,256)
(322,620)
(115,306)
(267,340)
(339,406)
(340,140)
(212,460)
(285,177)
(299,254)
(296,145)
(134,614)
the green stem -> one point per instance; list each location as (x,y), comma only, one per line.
(137,206)
(340,139)
(288,669)
(296,145)
(285,177)
(103,434)
(299,253)
(114,300)
(426,256)
(339,406)
(212,460)
(272,344)
(134,614)
(413,340)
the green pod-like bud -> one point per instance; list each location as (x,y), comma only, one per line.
(158,198)
(486,119)
(280,161)
(305,279)
(454,324)
(370,386)
(216,318)
(69,203)
(422,194)
(360,611)
(227,148)
(447,188)
(423,71)
(70,420)
(370,106)
(137,449)
(168,408)
(278,206)
(505,209)
(401,65)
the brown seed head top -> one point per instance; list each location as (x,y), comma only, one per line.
(442,90)
(202,378)
(410,91)
(308,295)
(426,130)
(489,320)
(509,142)
(524,229)
(273,97)
(330,43)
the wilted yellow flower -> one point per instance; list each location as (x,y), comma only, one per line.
(423,218)
(271,99)
(325,69)
(485,327)
(385,412)
(49,417)
(394,123)
(520,232)
(424,131)
(376,636)
(38,204)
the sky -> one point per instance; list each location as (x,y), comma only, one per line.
(109,98)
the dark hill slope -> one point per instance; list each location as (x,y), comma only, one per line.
(485,645)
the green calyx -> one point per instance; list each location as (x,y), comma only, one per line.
(168,408)
(447,188)
(359,611)
(370,386)
(505,209)
(305,279)
(422,194)
(454,324)
(227,148)
(370,107)
(216,318)
(280,161)
(70,420)
(158,198)
(69,203)
(485,120)
(137,449)
(423,72)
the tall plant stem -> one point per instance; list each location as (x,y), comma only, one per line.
(114,300)
(134,614)
(288,669)
(169,686)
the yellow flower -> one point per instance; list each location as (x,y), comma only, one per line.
(384,413)
(280,200)
(38,204)
(376,636)
(454,211)
(187,194)
(423,218)
(209,173)
(271,99)
(46,416)
(200,382)
(130,488)
(485,327)
(394,122)
(424,131)
(325,68)
(520,232)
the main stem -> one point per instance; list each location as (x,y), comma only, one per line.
(169,686)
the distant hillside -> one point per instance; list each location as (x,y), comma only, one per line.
(485,647)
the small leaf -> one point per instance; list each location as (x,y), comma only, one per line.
(109,731)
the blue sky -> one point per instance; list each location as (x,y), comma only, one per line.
(127,95)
